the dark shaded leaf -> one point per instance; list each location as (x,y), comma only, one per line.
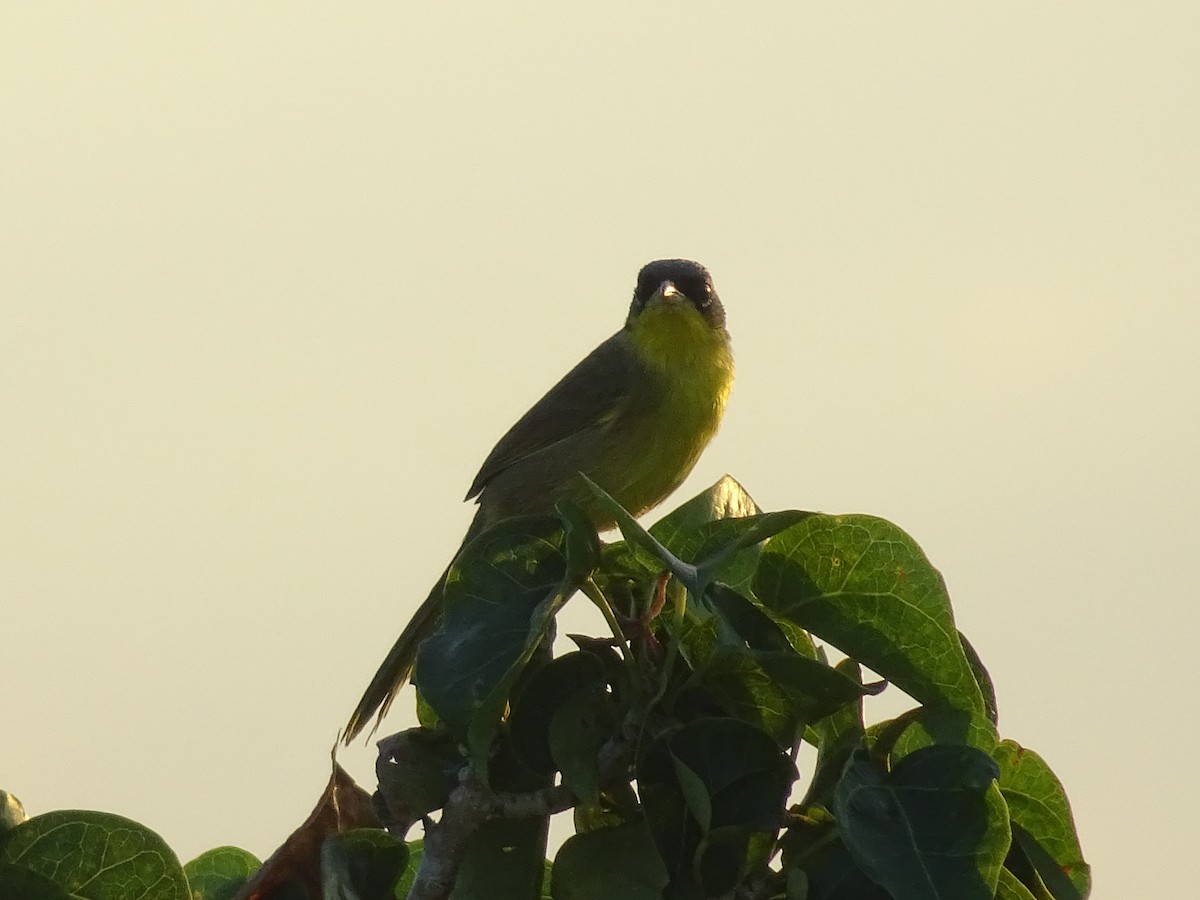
(609,863)
(729,549)
(506,860)
(740,770)
(502,594)
(547,690)
(363,864)
(983,679)
(417,769)
(675,832)
(797,885)
(833,874)
(934,828)
(19,883)
(754,670)
(837,737)
(578,729)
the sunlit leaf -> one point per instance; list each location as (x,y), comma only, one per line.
(219,873)
(1043,827)
(95,855)
(863,585)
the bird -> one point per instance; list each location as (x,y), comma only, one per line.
(633,416)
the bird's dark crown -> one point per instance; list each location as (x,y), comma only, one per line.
(689,277)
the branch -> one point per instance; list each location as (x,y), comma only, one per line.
(471,804)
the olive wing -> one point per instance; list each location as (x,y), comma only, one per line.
(587,396)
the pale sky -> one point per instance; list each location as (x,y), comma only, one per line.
(274,278)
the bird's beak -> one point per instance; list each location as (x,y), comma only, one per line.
(668,291)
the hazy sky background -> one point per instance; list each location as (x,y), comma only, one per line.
(274,278)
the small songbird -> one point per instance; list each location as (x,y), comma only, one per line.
(633,416)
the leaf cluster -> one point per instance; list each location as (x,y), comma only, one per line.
(674,740)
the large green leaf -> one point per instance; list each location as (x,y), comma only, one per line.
(734,774)
(97,856)
(501,597)
(734,779)
(934,828)
(863,585)
(1043,827)
(610,863)
(217,874)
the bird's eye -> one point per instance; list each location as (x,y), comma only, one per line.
(696,290)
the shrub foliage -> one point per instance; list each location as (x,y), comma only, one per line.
(673,741)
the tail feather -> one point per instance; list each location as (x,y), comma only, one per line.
(397,667)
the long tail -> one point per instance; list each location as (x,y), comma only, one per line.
(397,667)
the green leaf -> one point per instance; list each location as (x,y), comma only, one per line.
(726,499)
(759,676)
(934,828)
(19,883)
(578,729)
(639,537)
(833,874)
(505,860)
(547,690)
(610,863)
(731,774)
(1009,887)
(218,873)
(417,769)
(727,855)
(983,679)
(746,623)
(405,881)
(502,593)
(797,885)
(1043,827)
(582,542)
(364,863)
(95,856)
(924,726)
(730,549)
(863,585)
